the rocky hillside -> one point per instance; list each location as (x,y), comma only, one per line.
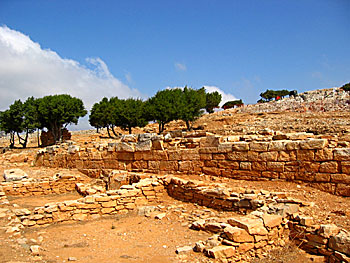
(324,100)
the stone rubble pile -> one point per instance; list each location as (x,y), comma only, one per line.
(323,100)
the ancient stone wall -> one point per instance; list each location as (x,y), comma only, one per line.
(322,163)
(94,206)
(62,184)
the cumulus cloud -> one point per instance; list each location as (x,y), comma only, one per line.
(28,70)
(224,96)
(180,66)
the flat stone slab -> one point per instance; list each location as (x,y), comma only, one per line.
(14,175)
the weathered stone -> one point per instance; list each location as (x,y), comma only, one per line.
(183,250)
(143,146)
(341,154)
(240,146)
(271,221)
(254,226)
(259,146)
(313,144)
(340,242)
(125,147)
(329,167)
(14,175)
(238,235)
(221,252)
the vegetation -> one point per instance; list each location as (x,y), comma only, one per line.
(346,87)
(55,112)
(212,101)
(232,104)
(51,112)
(268,95)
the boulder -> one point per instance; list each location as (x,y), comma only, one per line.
(14,175)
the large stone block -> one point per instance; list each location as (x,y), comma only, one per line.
(238,156)
(259,146)
(190,154)
(125,147)
(221,252)
(324,155)
(143,146)
(14,175)
(271,221)
(313,144)
(228,164)
(268,156)
(212,171)
(340,178)
(342,189)
(340,242)
(259,166)
(275,166)
(345,167)
(341,154)
(277,146)
(254,226)
(240,146)
(286,156)
(329,167)
(292,145)
(305,155)
(237,234)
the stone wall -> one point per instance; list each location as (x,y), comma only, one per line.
(322,163)
(94,206)
(27,187)
(270,224)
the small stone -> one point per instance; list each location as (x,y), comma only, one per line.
(184,249)
(160,216)
(35,250)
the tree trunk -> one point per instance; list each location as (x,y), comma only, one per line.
(188,125)
(160,127)
(12,140)
(38,137)
(115,134)
(109,134)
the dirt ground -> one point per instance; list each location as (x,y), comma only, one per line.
(136,238)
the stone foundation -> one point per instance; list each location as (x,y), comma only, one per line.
(323,163)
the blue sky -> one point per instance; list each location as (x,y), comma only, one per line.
(136,48)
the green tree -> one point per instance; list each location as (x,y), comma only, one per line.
(346,87)
(20,119)
(232,104)
(102,114)
(165,106)
(57,111)
(268,95)
(132,113)
(192,103)
(213,100)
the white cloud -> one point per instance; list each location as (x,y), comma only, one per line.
(28,70)
(224,96)
(180,66)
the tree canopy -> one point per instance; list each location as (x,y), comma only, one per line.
(346,87)
(268,95)
(232,104)
(213,100)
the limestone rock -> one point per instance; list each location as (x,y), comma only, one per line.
(14,175)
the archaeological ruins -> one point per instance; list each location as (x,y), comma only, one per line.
(246,185)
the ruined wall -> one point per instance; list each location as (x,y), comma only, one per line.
(322,163)
(94,206)
(62,184)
